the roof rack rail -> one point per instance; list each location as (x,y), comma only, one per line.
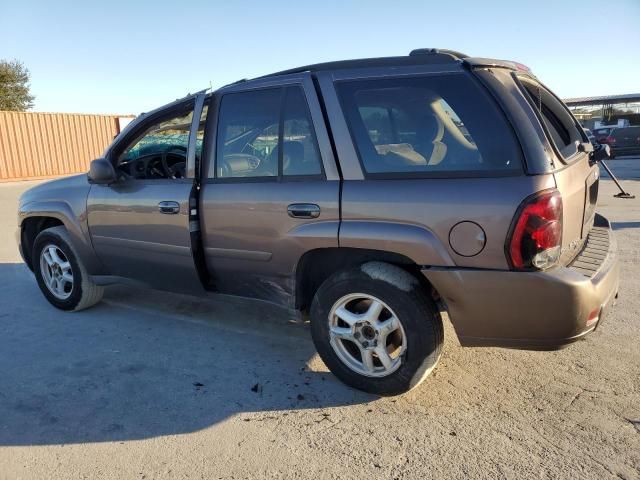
(242,80)
(437,51)
(419,56)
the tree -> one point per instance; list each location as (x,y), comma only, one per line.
(14,86)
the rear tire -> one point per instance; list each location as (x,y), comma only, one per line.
(60,274)
(361,352)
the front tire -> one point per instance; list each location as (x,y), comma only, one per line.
(376,329)
(60,274)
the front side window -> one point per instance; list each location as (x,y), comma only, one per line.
(431,124)
(264,134)
(160,151)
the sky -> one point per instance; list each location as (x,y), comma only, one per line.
(124,57)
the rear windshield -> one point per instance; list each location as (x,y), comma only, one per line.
(428,125)
(602,131)
(560,126)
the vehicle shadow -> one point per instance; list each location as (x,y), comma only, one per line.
(143,364)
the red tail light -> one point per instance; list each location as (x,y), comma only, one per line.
(536,234)
(593,317)
(610,140)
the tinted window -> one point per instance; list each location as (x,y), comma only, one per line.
(554,115)
(248,134)
(299,147)
(427,124)
(253,128)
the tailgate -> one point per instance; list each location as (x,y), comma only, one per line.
(578,185)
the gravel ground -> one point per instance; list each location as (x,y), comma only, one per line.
(152,385)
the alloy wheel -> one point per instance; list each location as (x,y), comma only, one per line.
(367,335)
(56,272)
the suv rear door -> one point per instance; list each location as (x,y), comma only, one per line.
(272,188)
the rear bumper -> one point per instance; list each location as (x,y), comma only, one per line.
(533,310)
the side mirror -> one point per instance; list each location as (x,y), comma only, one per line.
(584,147)
(102,172)
(603,152)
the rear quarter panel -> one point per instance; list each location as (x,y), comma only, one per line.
(437,205)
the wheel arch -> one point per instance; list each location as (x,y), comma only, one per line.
(315,266)
(38,216)
(29,230)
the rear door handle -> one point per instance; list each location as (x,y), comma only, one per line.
(169,207)
(303,210)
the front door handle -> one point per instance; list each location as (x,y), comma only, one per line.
(303,210)
(169,207)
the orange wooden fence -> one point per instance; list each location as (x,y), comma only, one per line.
(40,145)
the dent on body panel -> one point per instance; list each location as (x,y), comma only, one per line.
(313,235)
(252,245)
(270,276)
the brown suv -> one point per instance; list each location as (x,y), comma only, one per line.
(372,193)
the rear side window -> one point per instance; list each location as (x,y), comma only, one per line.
(248,134)
(428,125)
(558,122)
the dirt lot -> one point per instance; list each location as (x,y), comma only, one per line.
(151,385)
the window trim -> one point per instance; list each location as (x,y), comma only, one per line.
(116,147)
(280,178)
(322,175)
(193,165)
(559,152)
(433,174)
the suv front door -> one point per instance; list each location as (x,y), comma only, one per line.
(140,224)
